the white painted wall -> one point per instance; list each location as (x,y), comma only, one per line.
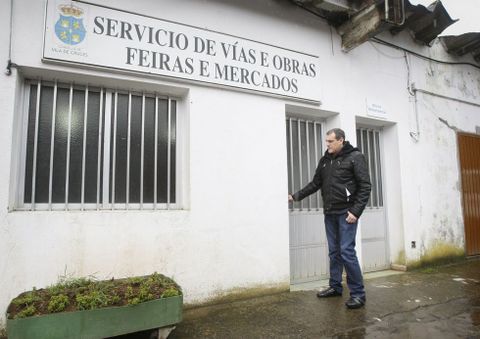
(7,104)
(233,231)
(433,198)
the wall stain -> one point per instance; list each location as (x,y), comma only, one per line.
(401,259)
(240,293)
(438,253)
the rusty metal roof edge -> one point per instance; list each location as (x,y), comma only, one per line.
(426,23)
(463,44)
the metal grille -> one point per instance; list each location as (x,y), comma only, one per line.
(304,150)
(96,148)
(368,141)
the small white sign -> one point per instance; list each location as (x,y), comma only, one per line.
(376,110)
(94,35)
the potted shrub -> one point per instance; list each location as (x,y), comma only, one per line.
(87,308)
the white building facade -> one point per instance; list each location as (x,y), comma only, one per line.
(165,136)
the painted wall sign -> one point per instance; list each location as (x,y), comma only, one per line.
(93,35)
(374,109)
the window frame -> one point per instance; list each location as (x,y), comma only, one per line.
(19,160)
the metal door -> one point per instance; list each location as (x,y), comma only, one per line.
(373,221)
(308,244)
(469,152)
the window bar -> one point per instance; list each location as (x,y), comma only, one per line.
(52,146)
(369,165)
(361,141)
(322,147)
(156,156)
(20,198)
(300,158)
(359,130)
(85,113)
(379,162)
(291,157)
(308,161)
(114,150)
(129,122)
(142,151)
(106,148)
(35,143)
(99,150)
(364,152)
(168,150)
(316,157)
(69,132)
(372,166)
(375,166)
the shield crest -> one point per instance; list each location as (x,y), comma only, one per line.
(70,30)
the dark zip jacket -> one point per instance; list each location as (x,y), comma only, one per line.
(343,179)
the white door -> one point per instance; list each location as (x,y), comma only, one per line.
(373,222)
(308,244)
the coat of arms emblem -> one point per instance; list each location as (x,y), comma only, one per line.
(69,27)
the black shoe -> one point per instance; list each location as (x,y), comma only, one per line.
(329,292)
(355,302)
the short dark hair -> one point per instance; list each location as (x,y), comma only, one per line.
(339,133)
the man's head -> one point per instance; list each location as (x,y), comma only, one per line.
(335,140)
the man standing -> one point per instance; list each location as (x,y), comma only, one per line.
(342,175)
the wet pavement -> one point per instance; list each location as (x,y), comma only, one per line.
(441,302)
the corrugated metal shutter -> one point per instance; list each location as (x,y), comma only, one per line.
(469,151)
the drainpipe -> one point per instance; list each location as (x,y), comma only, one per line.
(415,135)
(10,64)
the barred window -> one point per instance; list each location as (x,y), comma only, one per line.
(368,141)
(97,148)
(304,151)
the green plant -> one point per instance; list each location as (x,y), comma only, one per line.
(71,294)
(58,303)
(133,301)
(134,280)
(65,284)
(27,312)
(170,292)
(144,293)
(131,297)
(92,299)
(27,299)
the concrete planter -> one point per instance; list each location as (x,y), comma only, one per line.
(99,323)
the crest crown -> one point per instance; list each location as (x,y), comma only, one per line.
(70,10)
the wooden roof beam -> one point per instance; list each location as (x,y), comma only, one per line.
(362,26)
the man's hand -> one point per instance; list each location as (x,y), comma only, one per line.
(351,218)
(290,198)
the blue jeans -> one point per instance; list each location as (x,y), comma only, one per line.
(341,250)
